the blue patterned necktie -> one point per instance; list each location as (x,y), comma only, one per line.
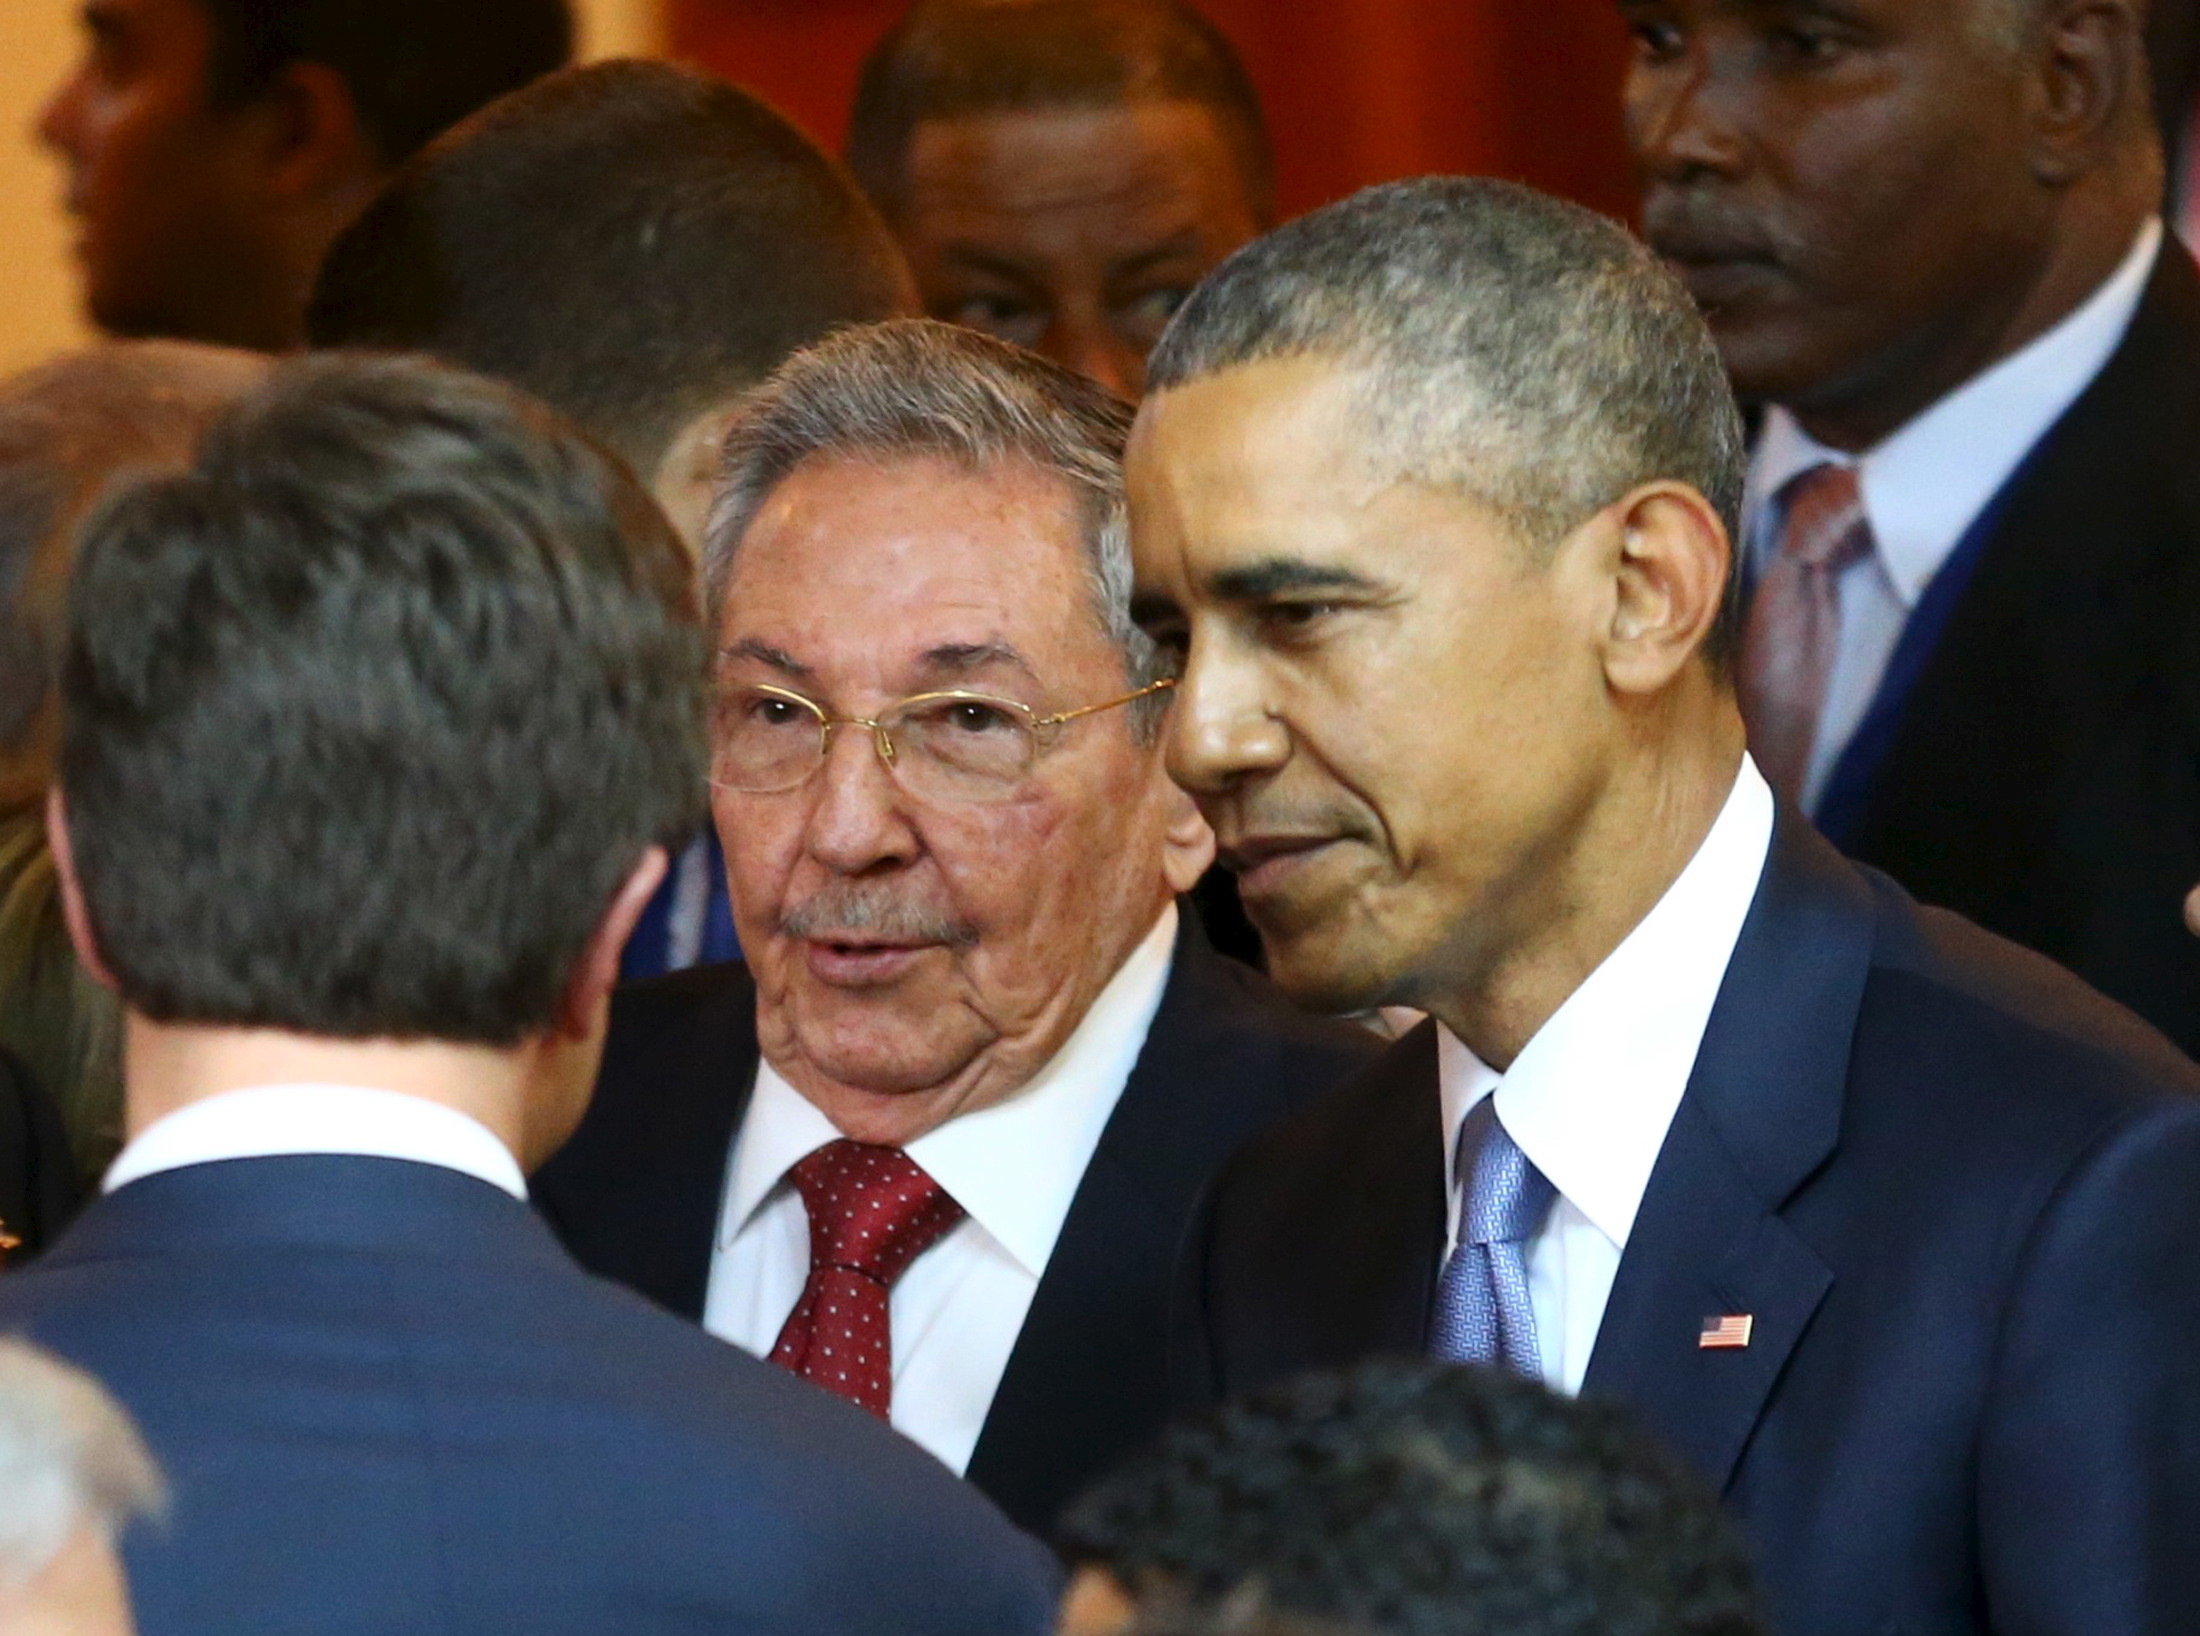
(1482,1311)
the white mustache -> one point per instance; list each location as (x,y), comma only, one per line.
(842,911)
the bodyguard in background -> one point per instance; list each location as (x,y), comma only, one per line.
(1926,234)
(1882,1222)
(376,722)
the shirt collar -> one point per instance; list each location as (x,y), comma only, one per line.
(1014,1167)
(268,1121)
(1927,482)
(1589,1099)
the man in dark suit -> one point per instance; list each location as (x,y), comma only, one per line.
(1928,241)
(376,721)
(954,854)
(1884,1223)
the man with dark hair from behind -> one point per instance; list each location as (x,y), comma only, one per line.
(636,244)
(1406,1499)
(216,147)
(375,722)
(1062,172)
(689,238)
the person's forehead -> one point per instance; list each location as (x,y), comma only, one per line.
(1159,166)
(1266,479)
(1278,437)
(901,557)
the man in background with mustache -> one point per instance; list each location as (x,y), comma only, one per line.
(1926,237)
(934,1149)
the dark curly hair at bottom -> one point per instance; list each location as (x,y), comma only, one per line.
(1415,1499)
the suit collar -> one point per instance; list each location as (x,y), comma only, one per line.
(1762,1113)
(263,1121)
(1590,1097)
(308,1202)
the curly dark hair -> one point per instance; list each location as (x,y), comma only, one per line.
(1416,1499)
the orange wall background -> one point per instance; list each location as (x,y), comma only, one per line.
(1357,91)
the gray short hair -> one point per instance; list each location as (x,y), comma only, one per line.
(1514,347)
(69,1458)
(917,389)
(67,429)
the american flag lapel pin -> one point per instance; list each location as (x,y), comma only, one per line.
(1729,1333)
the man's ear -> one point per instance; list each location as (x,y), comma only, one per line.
(72,891)
(2087,66)
(596,973)
(1668,556)
(1188,845)
(310,136)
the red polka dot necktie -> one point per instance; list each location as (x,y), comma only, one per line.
(873,1211)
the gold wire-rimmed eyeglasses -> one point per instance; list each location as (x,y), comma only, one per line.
(953,745)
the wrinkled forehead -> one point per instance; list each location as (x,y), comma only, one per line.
(914,572)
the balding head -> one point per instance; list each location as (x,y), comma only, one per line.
(68,430)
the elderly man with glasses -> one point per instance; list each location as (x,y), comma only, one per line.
(935,1147)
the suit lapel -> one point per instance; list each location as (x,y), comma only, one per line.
(1381,1267)
(692,1193)
(636,1195)
(1761,1115)
(1089,1375)
(1324,1246)
(1089,1337)
(2060,624)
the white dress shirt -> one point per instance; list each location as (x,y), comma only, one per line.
(1590,1097)
(1014,1167)
(267,1121)
(1925,484)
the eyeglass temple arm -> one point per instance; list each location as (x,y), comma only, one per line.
(1110,704)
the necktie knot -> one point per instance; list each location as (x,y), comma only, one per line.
(872,1210)
(1506,1196)
(1823,522)
(1483,1311)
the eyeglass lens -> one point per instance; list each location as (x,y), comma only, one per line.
(954,747)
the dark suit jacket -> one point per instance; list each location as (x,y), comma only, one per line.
(386,1401)
(636,1193)
(2043,774)
(1959,1194)
(37,1171)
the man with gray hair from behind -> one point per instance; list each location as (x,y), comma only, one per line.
(1883,1223)
(73,1475)
(976,1038)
